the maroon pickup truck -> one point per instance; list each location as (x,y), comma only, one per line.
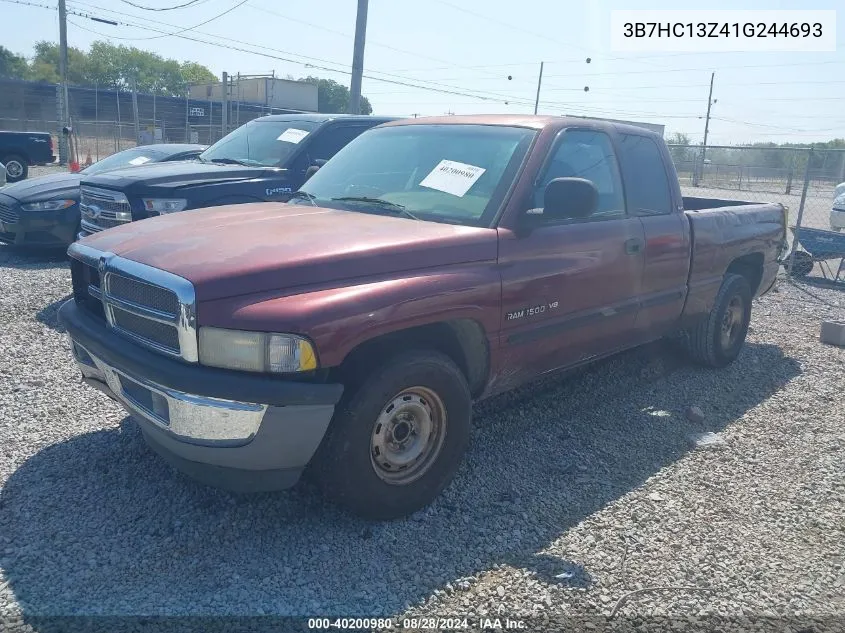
(430,263)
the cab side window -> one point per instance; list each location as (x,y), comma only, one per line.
(646,182)
(587,154)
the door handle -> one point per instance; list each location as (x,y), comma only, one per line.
(633,246)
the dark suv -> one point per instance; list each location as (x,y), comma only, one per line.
(264,160)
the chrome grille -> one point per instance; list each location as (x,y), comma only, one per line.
(161,334)
(103,209)
(150,306)
(8,213)
(144,294)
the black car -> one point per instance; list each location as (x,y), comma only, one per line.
(20,150)
(44,211)
(264,160)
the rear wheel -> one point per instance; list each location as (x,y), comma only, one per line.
(717,340)
(16,167)
(397,440)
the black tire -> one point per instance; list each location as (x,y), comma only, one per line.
(706,343)
(347,465)
(19,167)
(802,264)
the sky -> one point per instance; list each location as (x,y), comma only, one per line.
(482,56)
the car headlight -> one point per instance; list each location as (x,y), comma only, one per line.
(165,205)
(839,202)
(255,351)
(48,205)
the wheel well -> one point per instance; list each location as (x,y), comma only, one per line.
(462,340)
(16,153)
(749,266)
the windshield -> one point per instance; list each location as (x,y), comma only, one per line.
(260,143)
(444,173)
(126,158)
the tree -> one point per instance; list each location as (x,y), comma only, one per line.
(679,148)
(45,64)
(123,67)
(194,73)
(118,67)
(333,97)
(12,66)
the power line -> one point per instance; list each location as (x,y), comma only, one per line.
(370,42)
(178,6)
(514,100)
(403,81)
(436,86)
(687,70)
(442,89)
(774,127)
(295,61)
(532,33)
(190,28)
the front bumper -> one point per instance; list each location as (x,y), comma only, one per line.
(40,228)
(837,219)
(245,443)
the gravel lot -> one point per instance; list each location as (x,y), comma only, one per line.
(576,491)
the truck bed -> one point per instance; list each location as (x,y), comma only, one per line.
(726,231)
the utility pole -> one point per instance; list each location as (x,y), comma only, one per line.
(706,129)
(539,83)
(65,105)
(225,116)
(358,58)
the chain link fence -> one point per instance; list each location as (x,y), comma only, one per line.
(106,121)
(803,179)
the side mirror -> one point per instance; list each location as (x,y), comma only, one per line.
(318,162)
(570,198)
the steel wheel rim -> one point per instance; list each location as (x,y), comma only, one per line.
(14,169)
(408,436)
(732,322)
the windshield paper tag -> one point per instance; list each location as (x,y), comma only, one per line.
(139,161)
(292,135)
(452,177)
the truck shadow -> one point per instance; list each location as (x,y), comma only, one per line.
(99,524)
(49,314)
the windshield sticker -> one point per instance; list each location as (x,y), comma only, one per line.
(452,177)
(292,135)
(140,160)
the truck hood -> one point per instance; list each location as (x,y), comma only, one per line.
(175,175)
(250,248)
(44,187)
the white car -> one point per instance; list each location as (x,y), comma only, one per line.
(837,214)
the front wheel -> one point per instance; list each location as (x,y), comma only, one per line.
(398,439)
(16,167)
(717,340)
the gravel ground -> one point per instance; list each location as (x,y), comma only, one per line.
(576,491)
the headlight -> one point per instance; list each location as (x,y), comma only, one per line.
(839,202)
(255,351)
(165,205)
(48,205)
